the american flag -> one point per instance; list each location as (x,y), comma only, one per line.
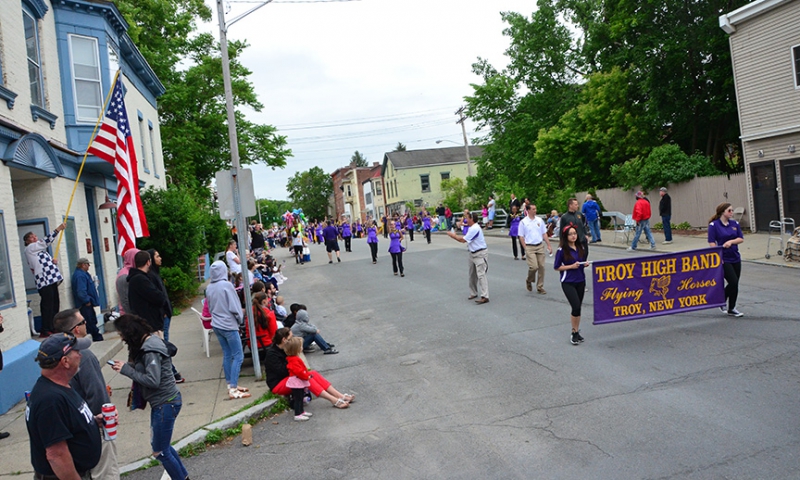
(114,144)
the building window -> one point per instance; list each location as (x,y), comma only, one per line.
(396,194)
(113,61)
(86,78)
(34,58)
(796,65)
(368,198)
(425,181)
(142,148)
(349,191)
(153,148)
(6,282)
(378,189)
(445,176)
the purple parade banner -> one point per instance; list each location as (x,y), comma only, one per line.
(642,287)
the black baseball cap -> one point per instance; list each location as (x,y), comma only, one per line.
(59,344)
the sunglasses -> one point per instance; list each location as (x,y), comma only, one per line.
(77,325)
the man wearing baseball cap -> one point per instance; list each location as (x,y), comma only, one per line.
(84,294)
(64,438)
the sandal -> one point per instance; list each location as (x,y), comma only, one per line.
(243,389)
(341,403)
(235,393)
(349,398)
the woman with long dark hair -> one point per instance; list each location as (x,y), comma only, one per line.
(265,320)
(725,232)
(570,261)
(150,365)
(396,249)
(372,240)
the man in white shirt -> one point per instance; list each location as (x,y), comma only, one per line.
(532,232)
(478,259)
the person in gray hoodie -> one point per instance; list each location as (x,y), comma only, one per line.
(226,317)
(310,333)
(150,365)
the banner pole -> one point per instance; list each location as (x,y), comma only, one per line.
(83,162)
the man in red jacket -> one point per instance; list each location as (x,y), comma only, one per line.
(641,215)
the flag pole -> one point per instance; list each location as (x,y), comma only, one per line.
(86,154)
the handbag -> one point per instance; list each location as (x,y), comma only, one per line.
(136,399)
(172,349)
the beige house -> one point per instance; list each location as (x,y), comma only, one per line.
(416,175)
(765,50)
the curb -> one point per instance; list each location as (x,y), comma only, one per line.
(200,435)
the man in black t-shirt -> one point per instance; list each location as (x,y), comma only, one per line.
(64,438)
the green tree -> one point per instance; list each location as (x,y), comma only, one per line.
(271,210)
(455,194)
(400,147)
(310,190)
(359,160)
(665,164)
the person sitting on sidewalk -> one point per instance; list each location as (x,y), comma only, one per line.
(275,367)
(310,333)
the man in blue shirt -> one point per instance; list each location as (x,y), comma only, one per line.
(591,210)
(84,293)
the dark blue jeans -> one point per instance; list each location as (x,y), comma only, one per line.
(667,228)
(316,337)
(162,423)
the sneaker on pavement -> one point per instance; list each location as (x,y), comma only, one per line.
(666,242)
(653,246)
(330,351)
(723,309)
(574,338)
(578,336)
(631,249)
(300,418)
(308,414)
(735,313)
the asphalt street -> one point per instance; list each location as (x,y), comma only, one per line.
(449,389)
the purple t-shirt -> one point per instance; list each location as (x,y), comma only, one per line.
(372,235)
(346,232)
(394,243)
(409,223)
(563,258)
(330,233)
(426,223)
(513,230)
(719,234)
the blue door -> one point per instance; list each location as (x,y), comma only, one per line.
(97,248)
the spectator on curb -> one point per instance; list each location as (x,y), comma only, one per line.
(91,386)
(310,333)
(144,297)
(122,280)
(591,211)
(84,294)
(641,215)
(47,276)
(665,212)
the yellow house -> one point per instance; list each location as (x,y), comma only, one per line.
(416,175)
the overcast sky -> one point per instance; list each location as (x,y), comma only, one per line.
(395,70)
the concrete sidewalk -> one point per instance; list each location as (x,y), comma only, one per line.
(753,249)
(205,399)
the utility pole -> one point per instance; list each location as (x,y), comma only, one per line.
(461,118)
(241,225)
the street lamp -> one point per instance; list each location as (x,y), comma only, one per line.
(466,147)
(235,166)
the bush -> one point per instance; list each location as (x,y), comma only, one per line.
(683,226)
(180,285)
(663,165)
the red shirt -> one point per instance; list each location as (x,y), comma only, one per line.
(264,335)
(641,210)
(296,367)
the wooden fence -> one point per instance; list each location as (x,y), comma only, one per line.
(694,201)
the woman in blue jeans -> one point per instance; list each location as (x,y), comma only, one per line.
(226,317)
(150,365)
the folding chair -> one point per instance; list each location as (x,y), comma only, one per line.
(206,331)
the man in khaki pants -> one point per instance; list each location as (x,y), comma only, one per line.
(532,232)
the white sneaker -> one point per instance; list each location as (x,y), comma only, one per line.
(300,418)
(653,246)
(723,309)
(631,249)
(666,242)
(308,414)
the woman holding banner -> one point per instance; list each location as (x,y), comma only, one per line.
(570,261)
(725,232)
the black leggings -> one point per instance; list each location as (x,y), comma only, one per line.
(374,249)
(574,293)
(298,253)
(297,400)
(732,273)
(397,260)
(428,235)
(411,233)
(514,242)
(347,243)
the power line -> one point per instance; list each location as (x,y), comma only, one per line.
(335,123)
(369,133)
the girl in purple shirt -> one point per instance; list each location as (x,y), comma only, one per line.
(570,261)
(372,240)
(426,226)
(410,227)
(513,230)
(725,232)
(396,249)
